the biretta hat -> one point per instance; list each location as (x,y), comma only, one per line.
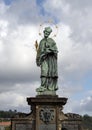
(48,29)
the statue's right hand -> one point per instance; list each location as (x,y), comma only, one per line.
(38,62)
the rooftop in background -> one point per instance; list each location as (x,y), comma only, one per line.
(7,123)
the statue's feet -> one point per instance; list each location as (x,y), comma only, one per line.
(40,89)
(52,88)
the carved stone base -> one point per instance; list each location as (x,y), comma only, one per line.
(47,110)
(46,114)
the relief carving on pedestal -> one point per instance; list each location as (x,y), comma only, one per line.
(46,115)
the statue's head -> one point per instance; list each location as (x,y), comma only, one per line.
(47,32)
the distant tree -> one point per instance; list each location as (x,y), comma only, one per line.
(11,113)
(87,122)
(15,111)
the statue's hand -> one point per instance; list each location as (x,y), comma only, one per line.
(38,62)
(49,51)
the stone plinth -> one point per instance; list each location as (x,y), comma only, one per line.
(46,110)
(46,100)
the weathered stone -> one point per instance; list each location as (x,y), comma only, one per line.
(22,124)
(47,110)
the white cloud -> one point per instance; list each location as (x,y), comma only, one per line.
(75,47)
(3,28)
(84,106)
(13,99)
(76,14)
(17,51)
(74,58)
(3,9)
(21,12)
(19,26)
(17,96)
(55,7)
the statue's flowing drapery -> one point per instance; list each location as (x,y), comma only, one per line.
(47,60)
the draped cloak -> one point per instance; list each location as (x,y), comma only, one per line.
(47,60)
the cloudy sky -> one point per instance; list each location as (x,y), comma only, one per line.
(19,28)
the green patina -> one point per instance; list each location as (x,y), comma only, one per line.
(47,60)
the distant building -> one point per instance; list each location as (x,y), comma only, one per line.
(3,125)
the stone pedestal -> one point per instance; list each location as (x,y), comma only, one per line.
(46,114)
(46,111)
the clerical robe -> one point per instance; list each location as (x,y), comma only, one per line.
(47,60)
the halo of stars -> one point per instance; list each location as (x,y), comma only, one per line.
(50,22)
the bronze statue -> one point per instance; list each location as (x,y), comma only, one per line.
(47,59)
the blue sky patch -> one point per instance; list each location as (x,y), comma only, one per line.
(8,2)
